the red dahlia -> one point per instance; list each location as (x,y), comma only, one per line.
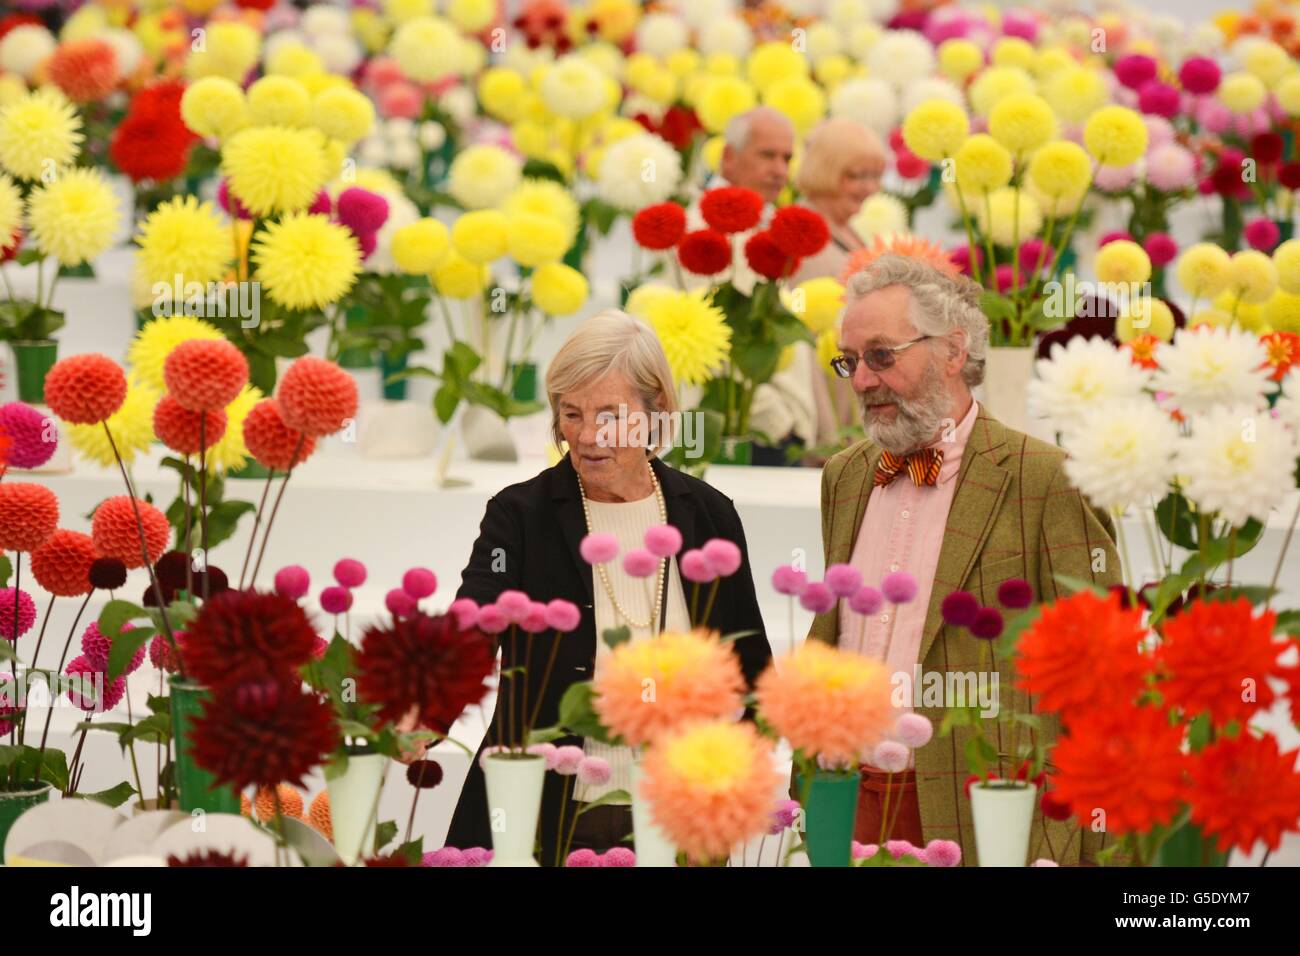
(427,663)
(29,515)
(767,259)
(241,635)
(117,535)
(85,389)
(276,734)
(660,226)
(270,441)
(178,427)
(1245,790)
(799,232)
(205,373)
(316,396)
(731,209)
(62,564)
(85,69)
(704,252)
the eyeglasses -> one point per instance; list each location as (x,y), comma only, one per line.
(878,359)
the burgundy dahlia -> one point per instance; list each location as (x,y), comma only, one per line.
(239,635)
(427,663)
(275,734)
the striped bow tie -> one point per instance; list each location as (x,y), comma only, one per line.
(923,466)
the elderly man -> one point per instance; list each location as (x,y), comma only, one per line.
(945,492)
(759,144)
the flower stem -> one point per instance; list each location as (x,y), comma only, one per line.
(293,461)
(257,523)
(1286,543)
(49,714)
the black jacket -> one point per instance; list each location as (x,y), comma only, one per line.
(528,540)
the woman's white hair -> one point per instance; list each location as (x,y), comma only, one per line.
(940,304)
(613,341)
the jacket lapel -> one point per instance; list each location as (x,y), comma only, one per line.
(854,483)
(981,486)
(572,520)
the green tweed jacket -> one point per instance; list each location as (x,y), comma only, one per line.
(1014,515)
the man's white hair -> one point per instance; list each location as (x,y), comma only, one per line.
(742,124)
(940,304)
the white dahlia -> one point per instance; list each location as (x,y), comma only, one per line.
(902,57)
(483,175)
(638,171)
(1237,461)
(1121,453)
(931,88)
(660,34)
(1079,375)
(573,86)
(869,101)
(1208,366)
(1288,406)
(726,35)
(880,215)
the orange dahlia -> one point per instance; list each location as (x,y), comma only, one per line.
(1082,654)
(86,70)
(290,802)
(85,389)
(205,373)
(827,703)
(710,787)
(318,814)
(1122,767)
(914,247)
(1142,350)
(270,441)
(62,564)
(1283,350)
(646,688)
(1217,656)
(316,397)
(1245,790)
(29,514)
(177,427)
(116,534)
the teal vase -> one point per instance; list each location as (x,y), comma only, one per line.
(829,817)
(735,451)
(33,360)
(524,377)
(390,365)
(14,804)
(196,787)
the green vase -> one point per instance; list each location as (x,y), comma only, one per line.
(388,365)
(355,318)
(1187,846)
(14,805)
(195,786)
(33,360)
(1285,230)
(524,377)
(829,817)
(735,451)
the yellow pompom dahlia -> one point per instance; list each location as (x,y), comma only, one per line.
(343,113)
(39,133)
(458,278)
(981,164)
(534,240)
(1022,122)
(481,235)
(935,129)
(1060,169)
(151,345)
(305,261)
(694,334)
(184,239)
(1123,262)
(75,217)
(419,247)
(1115,135)
(559,289)
(214,107)
(1202,270)
(274,169)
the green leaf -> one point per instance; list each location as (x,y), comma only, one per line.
(223,518)
(123,648)
(445,401)
(996,307)
(979,754)
(115,614)
(113,796)
(1198,732)
(544,735)
(1288,622)
(1255,594)
(385,833)
(578,716)
(1176,520)
(614,636)
(159,704)
(413,852)
(1170,589)
(306,842)
(6,569)
(1006,644)
(614,796)
(954,717)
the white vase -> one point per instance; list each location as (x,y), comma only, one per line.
(1003,817)
(354,804)
(486,435)
(514,795)
(1007,373)
(653,848)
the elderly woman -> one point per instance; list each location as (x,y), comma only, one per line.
(611,372)
(842,166)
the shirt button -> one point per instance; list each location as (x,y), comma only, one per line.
(884,619)
(907,514)
(893,567)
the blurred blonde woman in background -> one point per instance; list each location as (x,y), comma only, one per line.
(842,166)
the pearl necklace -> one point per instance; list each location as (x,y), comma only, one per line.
(659,576)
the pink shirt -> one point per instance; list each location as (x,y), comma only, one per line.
(902,530)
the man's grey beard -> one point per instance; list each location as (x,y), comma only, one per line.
(916,420)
